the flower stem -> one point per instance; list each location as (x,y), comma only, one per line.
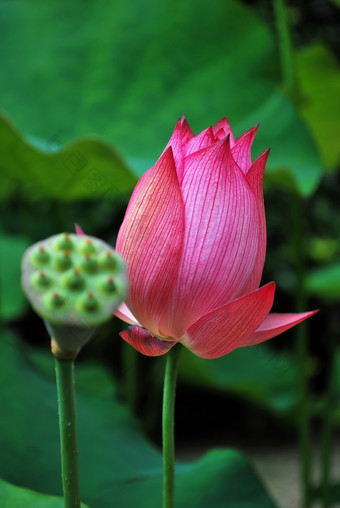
(304,424)
(68,431)
(327,431)
(304,417)
(168,426)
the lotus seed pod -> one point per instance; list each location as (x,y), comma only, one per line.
(74,283)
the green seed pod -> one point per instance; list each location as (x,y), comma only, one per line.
(74,283)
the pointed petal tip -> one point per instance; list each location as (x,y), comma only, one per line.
(259,164)
(183,125)
(224,124)
(224,119)
(225,141)
(311,313)
(250,132)
(254,130)
(275,324)
(79,231)
(167,152)
(267,291)
(179,122)
(167,158)
(264,154)
(270,287)
(222,146)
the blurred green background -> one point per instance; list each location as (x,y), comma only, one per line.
(90,93)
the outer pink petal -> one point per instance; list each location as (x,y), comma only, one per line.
(145,343)
(255,180)
(181,135)
(150,241)
(242,149)
(226,328)
(186,130)
(202,140)
(220,241)
(274,324)
(79,231)
(124,313)
(226,129)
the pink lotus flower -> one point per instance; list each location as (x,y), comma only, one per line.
(194,241)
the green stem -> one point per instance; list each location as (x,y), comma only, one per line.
(304,417)
(168,427)
(304,424)
(68,431)
(327,428)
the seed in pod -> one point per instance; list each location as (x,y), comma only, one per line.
(87,247)
(40,257)
(40,281)
(89,264)
(64,242)
(108,261)
(109,286)
(89,303)
(54,300)
(62,260)
(74,280)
